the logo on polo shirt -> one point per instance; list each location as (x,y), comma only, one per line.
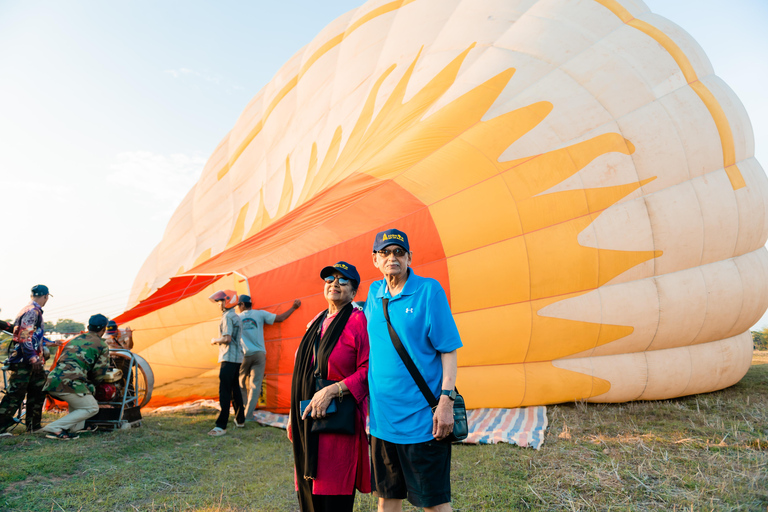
(341,265)
(393,236)
(409,310)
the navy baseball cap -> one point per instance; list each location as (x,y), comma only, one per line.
(39,290)
(346,269)
(389,237)
(244,299)
(98,320)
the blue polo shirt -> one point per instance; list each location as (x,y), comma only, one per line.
(422,319)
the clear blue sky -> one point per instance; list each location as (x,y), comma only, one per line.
(109,110)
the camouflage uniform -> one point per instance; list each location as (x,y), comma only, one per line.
(83,362)
(26,349)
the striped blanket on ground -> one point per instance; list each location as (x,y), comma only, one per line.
(524,427)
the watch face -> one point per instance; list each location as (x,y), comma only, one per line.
(450,394)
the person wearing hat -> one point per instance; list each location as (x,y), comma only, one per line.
(409,457)
(115,339)
(230,345)
(331,367)
(255,356)
(83,363)
(26,362)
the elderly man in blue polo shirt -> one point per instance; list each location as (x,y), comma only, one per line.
(409,454)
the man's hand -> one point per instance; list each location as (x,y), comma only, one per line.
(442,420)
(296,304)
(38,366)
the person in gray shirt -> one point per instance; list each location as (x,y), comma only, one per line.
(230,344)
(255,358)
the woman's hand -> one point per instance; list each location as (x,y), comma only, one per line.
(320,402)
(288,431)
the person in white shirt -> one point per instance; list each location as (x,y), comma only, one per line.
(255,357)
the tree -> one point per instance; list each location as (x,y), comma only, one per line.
(49,326)
(760,339)
(68,326)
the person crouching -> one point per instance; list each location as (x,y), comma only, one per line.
(83,363)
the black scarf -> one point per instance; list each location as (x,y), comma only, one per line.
(303,387)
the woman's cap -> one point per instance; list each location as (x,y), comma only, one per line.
(346,269)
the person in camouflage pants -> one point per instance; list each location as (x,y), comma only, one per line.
(23,381)
(27,375)
(83,363)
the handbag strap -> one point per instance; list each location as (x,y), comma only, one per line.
(317,342)
(407,361)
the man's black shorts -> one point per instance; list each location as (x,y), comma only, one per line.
(420,472)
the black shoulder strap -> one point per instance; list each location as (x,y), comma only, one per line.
(407,361)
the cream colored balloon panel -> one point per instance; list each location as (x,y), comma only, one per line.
(634,303)
(690,51)
(662,374)
(670,372)
(753,209)
(546,39)
(692,306)
(753,272)
(470,20)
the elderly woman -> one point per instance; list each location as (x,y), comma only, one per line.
(331,466)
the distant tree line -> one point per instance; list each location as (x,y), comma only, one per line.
(64,326)
(760,339)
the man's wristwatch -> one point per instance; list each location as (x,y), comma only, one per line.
(450,393)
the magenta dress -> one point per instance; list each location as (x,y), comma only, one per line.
(343,460)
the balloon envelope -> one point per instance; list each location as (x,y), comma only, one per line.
(573,173)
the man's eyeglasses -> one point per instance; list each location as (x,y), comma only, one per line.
(342,280)
(399,252)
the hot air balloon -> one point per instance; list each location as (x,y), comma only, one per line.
(572,172)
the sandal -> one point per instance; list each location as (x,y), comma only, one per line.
(217,431)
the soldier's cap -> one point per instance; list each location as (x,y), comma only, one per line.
(244,299)
(390,237)
(346,269)
(98,321)
(39,290)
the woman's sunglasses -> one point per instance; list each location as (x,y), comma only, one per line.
(342,280)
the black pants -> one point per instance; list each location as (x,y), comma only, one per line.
(229,391)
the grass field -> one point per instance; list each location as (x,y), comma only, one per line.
(705,452)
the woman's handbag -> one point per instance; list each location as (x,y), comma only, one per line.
(340,422)
(460,425)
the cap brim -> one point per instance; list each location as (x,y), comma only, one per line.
(327,271)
